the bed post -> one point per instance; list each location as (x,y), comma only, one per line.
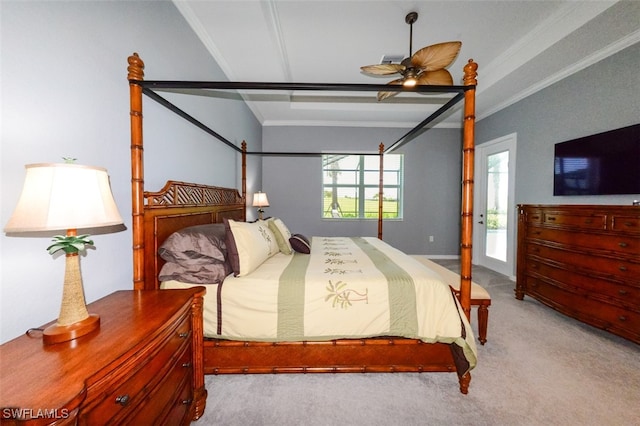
(136,73)
(244,178)
(466,242)
(380,190)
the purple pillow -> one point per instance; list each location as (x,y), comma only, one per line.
(300,243)
(197,254)
(195,245)
(212,273)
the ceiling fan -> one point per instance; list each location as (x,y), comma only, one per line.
(426,66)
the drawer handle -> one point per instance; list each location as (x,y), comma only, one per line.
(623,244)
(551,217)
(184,335)
(629,224)
(588,221)
(186,365)
(123,400)
(536,232)
(622,318)
(622,292)
(622,268)
(187,401)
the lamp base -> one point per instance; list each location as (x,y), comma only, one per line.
(63,333)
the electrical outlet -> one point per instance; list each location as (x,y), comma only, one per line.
(430,238)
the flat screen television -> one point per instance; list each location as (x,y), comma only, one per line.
(600,164)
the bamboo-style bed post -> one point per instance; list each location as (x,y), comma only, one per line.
(244,177)
(380,190)
(136,73)
(466,237)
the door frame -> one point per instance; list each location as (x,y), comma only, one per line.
(504,143)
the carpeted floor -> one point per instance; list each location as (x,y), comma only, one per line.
(537,368)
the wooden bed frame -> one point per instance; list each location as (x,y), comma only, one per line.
(156,215)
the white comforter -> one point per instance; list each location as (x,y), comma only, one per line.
(346,288)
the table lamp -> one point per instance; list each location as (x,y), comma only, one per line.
(57,197)
(260,200)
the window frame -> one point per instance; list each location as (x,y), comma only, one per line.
(361,188)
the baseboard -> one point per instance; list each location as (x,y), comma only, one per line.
(438,256)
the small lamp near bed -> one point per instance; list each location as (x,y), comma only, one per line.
(66,197)
(260,200)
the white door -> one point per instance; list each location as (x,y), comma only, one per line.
(494,210)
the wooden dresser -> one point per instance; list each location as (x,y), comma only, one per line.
(144,366)
(584,261)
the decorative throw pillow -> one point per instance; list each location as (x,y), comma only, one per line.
(249,245)
(300,243)
(212,273)
(197,254)
(195,245)
(281,233)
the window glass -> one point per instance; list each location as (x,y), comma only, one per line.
(350,186)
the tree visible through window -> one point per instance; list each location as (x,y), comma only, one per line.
(351,182)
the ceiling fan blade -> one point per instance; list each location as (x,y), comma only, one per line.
(436,56)
(436,78)
(383,69)
(384,95)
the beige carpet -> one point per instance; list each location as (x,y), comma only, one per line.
(537,368)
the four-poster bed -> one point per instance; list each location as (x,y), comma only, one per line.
(157,215)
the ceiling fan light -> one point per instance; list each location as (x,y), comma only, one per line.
(409,82)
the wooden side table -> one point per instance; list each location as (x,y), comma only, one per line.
(144,366)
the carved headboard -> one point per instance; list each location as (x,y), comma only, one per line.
(176,206)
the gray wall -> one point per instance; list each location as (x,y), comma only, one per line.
(65,93)
(602,97)
(432,185)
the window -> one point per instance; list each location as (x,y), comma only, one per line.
(350,186)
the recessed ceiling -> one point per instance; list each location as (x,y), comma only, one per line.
(520,46)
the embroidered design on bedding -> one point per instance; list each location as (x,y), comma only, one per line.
(335,253)
(339,261)
(298,284)
(333,271)
(267,238)
(344,296)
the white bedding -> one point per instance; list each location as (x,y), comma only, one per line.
(352,288)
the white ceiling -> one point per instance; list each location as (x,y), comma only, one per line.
(520,46)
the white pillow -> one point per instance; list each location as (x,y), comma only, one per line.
(281,233)
(254,242)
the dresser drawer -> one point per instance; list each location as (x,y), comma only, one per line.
(626,223)
(623,244)
(124,389)
(534,216)
(588,285)
(602,266)
(159,401)
(594,312)
(591,221)
(178,411)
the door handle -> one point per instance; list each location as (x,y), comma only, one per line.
(481,222)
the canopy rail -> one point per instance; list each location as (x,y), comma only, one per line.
(407,136)
(148,87)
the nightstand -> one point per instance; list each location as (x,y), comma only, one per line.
(143,366)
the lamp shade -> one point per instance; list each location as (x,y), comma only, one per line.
(260,199)
(64,196)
